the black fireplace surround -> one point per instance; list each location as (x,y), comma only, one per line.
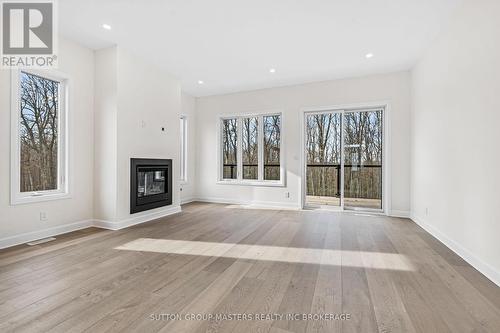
(150,184)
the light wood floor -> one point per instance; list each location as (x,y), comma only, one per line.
(348,202)
(387,274)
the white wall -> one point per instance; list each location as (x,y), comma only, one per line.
(455,136)
(148,99)
(188,109)
(137,101)
(78,63)
(105,133)
(393,88)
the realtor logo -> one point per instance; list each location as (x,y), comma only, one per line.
(28,34)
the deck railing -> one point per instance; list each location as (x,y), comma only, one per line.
(360,180)
(272,171)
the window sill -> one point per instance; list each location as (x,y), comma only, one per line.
(268,183)
(21,200)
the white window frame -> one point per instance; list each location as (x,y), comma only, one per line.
(184,150)
(63,190)
(260,139)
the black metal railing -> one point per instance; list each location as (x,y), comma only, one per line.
(360,180)
(325,180)
(271,171)
(229,171)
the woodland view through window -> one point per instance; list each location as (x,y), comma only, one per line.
(40,131)
(251,148)
(272,151)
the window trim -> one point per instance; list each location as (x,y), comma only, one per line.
(260,138)
(184,150)
(63,191)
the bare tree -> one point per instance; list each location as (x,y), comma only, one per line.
(229,152)
(323,153)
(250,148)
(272,149)
(38,133)
(363,155)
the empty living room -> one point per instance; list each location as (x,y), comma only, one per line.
(250,166)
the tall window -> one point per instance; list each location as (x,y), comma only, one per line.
(183,132)
(229,149)
(272,151)
(38,146)
(251,149)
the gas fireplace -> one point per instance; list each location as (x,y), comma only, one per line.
(150,184)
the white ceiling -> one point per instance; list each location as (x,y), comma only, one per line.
(232,44)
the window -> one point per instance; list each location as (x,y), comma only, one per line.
(272,152)
(39,165)
(184,164)
(251,150)
(229,149)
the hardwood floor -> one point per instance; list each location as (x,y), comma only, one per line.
(382,274)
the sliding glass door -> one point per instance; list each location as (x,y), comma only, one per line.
(323,156)
(343,154)
(362,137)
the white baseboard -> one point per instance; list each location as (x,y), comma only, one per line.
(187,200)
(252,203)
(111,225)
(485,268)
(400,213)
(44,233)
(140,218)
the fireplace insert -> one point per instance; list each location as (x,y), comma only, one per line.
(150,184)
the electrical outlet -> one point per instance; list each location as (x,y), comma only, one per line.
(426,211)
(43,216)
(287,195)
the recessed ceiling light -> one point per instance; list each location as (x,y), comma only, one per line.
(272,70)
(200,82)
(106,26)
(369,55)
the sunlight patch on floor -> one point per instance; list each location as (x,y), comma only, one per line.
(260,207)
(365,259)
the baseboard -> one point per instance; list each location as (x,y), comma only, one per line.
(400,213)
(188,200)
(63,229)
(125,223)
(486,269)
(44,233)
(252,203)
